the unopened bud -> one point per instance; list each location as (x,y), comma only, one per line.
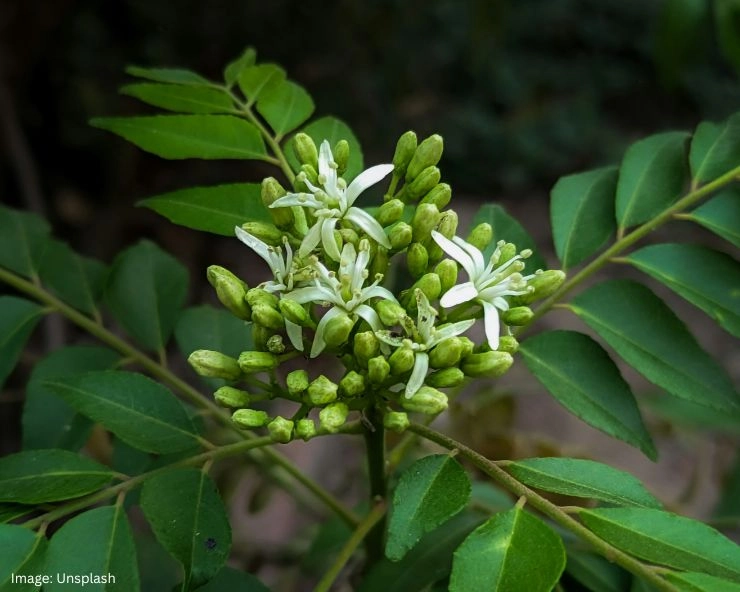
(439,195)
(491,364)
(545,284)
(257,296)
(379,262)
(260,336)
(446,353)
(255,361)
(366,345)
(341,156)
(467,346)
(481,236)
(305,150)
(426,218)
(267,233)
(295,313)
(446,378)
(447,272)
(281,430)
(426,400)
(427,154)
(508,343)
(507,251)
(214,364)
(378,369)
(349,235)
(333,416)
(390,212)
(228,396)
(429,284)
(297,382)
(400,236)
(275,344)
(352,384)
(322,391)
(231,291)
(405,148)
(250,418)
(396,421)
(402,360)
(267,316)
(417,259)
(423,184)
(272,190)
(517,316)
(305,428)
(337,330)
(447,227)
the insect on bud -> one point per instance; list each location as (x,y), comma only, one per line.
(405,149)
(426,400)
(255,361)
(228,396)
(333,416)
(214,364)
(281,430)
(231,291)
(322,391)
(396,421)
(426,155)
(249,418)
(305,150)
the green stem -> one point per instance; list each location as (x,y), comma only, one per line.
(545,506)
(375,451)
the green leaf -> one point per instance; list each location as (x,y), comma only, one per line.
(48,421)
(285,107)
(205,327)
(190,520)
(666,539)
(234,69)
(649,336)
(146,289)
(715,149)
(583,478)
(721,215)
(181,99)
(511,552)
(18,318)
(95,544)
(699,582)
(230,579)
(141,412)
(211,209)
(189,136)
(429,492)
(651,177)
(23,238)
(168,75)
(726,15)
(507,228)
(582,213)
(257,80)
(332,130)
(23,555)
(38,476)
(587,383)
(596,573)
(9,512)
(706,278)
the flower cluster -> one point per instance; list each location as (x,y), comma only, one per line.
(330,292)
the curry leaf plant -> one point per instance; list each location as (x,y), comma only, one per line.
(375,316)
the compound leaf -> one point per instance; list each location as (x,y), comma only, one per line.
(181,99)
(715,149)
(721,215)
(285,106)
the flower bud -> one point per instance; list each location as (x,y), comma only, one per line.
(467,346)
(400,235)
(231,291)
(270,191)
(518,316)
(305,150)
(267,233)
(429,284)
(481,236)
(379,262)
(426,218)
(390,212)
(447,272)
(417,259)
(426,400)
(337,330)
(309,174)
(490,364)
(405,148)
(445,378)
(352,384)
(390,313)
(447,227)
(507,251)
(366,345)
(402,360)
(249,418)
(333,416)
(267,316)
(341,156)
(275,344)
(260,336)
(439,195)
(446,354)
(256,361)
(545,284)
(295,313)
(281,430)
(305,428)
(322,391)
(378,369)
(396,421)
(297,382)
(228,396)
(349,235)
(508,343)
(214,364)
(422,184)
(426,155)
(257,296)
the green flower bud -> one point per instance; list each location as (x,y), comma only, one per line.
(348,235)
(337,330)
(322,391)
(508,343)
(256,361)
(228,396)
(260,336)
(352,384)
(491,364)
(507,251)
(305,150)
(423,184)
(427,154)
(405,148)
(267,233)
(429,284)
(267,316)
(249,418)
(426,400)
(333,416)
(297,382)
(446,353)
(481,236)
(341,156)
(295,313)
(379,262)
(439,195)
(396,421)
(305,428)
(400,235)
(446,378)
(518,316)
(447,272)
(402,360)
(257,296)
(545,284)
(281,430)
(214,364)
(417,259)
(447,227)
(310,174)
(275,344)
(390,313)
(378,369)
(231,291)
(426,218)
(270,191)
(390,212)
(467,346)
(366,345)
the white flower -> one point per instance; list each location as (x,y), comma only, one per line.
(333,201)
(426,336)
(345,294)
(486,284)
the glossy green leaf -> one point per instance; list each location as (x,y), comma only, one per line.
(168,75)
(727,15)
(332,130)
(23,238)
(582,213)
(98,544)
(429,492)
(38,476)
(721,215)
(667,539)
(48,421)
(211,209)
(651,177)
(205,327)
(18,318)
(230,579)
(189,519)
(649,336)
(22,555)
(189,136)
(583,478)
(588,384)
(233,70)
(507,228)
(146,289)
(141,412)
(706,278)
(254,81)
(699,582)
(715,149)
(181,99)
(596,573)
(285,107)
(511,552)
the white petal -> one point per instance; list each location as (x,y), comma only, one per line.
(311,294)
(312,238)
(366,179)
(297,199)
(255,244)
(368,225)
(457,253)
(369,315)
(318,341)
(491,324)
(451,330)
(418,374)
(474,253)
(295,334)
(327,238)
(458,294)
(377,292)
